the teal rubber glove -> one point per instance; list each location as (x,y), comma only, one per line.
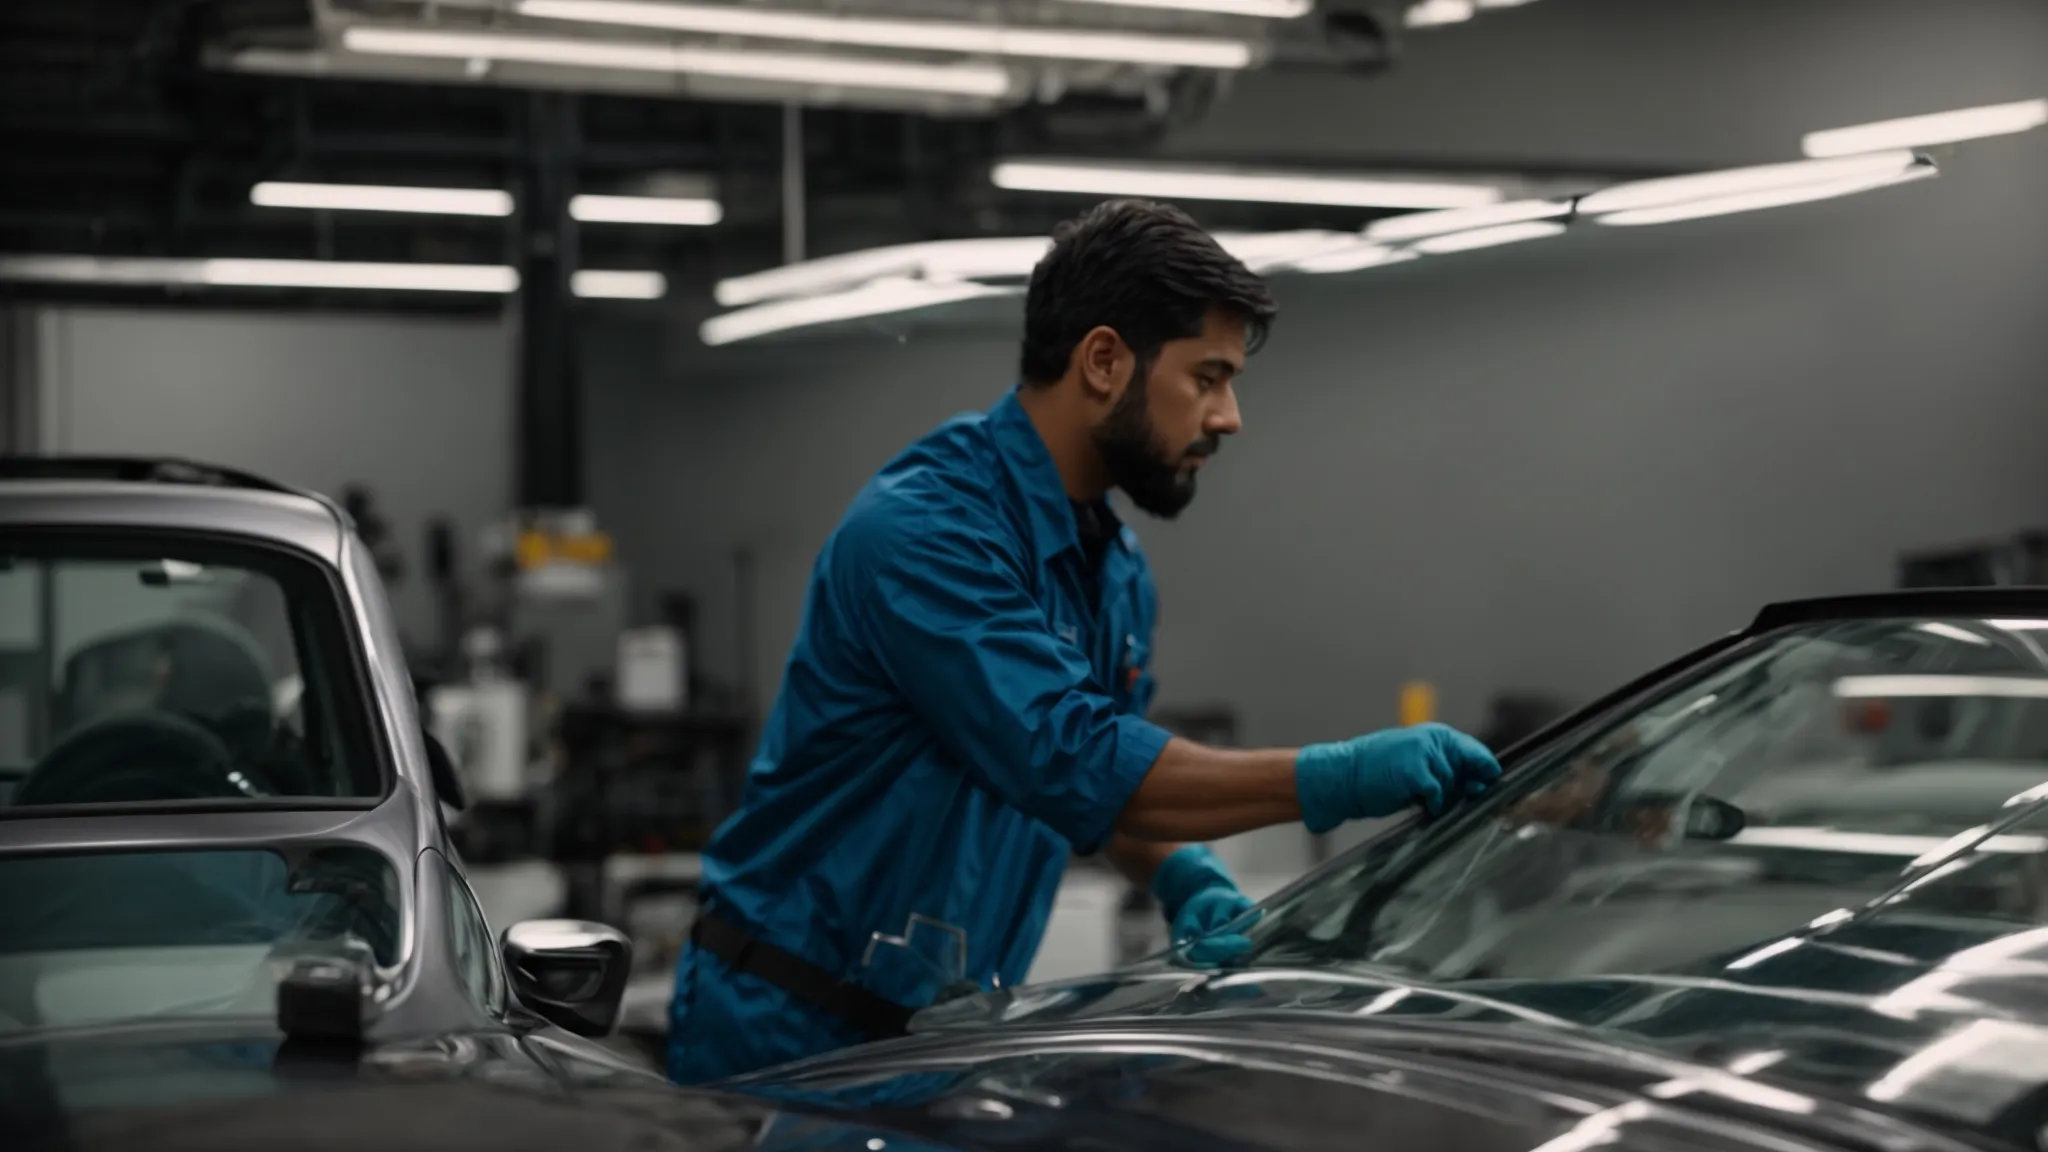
(1382,773)
(1200,898)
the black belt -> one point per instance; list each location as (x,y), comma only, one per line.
(880,1018)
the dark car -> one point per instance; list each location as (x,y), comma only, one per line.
(1789,892)
(222,832)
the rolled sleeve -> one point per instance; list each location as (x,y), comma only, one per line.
(947,610)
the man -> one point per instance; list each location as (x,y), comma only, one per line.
(963,706)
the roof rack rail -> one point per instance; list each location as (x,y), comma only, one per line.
(134,469)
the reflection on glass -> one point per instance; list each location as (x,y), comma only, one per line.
(1805,777)
(124,935)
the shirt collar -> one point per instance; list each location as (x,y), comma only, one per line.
(1029,466)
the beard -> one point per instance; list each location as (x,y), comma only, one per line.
(1155,476)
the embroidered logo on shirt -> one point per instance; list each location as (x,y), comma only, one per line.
(1069,634)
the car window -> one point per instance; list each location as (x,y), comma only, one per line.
(1810,773)
(476,953)
(101,937)
(162,668)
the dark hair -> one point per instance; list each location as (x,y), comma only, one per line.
(1148,271)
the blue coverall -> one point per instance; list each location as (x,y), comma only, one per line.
(962,709)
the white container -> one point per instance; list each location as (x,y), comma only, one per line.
(650,676)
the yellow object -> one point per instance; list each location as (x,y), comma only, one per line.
(1418,703)
(535,549)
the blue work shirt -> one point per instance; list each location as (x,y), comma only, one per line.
(962,710)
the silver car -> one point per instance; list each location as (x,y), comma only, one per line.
(218,807)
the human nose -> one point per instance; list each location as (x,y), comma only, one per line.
(1224,419)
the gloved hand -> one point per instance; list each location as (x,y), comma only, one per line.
(1382,773)
(1199,897)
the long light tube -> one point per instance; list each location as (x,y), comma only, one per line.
(1489,237)
(1670,190)
(1770,198)
(1237,185)
(1270,9)
(1416,225)
(595,284)
(915,35)
(1356,257)
(961,79)
(491,279)
(382,198)
(1437,13)
(991,258)
(1929,130)
(877,298)
(696,211)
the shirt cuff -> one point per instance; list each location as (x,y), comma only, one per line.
(1138,745)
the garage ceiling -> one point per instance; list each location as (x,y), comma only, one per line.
(129,131)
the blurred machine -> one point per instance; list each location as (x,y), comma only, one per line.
(2019,559)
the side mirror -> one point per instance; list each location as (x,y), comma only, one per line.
(572,973)
(1709,819)
(447,781)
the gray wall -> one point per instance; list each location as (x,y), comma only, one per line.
(420,410)
(1542,466)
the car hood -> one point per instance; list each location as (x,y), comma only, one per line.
(1943,1023)
(1139,1086)
(215,1086)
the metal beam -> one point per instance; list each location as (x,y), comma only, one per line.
(550,452)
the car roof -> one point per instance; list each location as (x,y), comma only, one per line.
(176,495)
(2003,600)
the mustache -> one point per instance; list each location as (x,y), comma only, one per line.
(1206,446)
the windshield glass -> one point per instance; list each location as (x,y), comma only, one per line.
(1803,774)
(118,936)
(169,669)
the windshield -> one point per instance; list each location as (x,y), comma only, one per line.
(161,668)
(1803,774)
(89,939)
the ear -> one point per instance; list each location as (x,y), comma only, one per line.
(1104,363)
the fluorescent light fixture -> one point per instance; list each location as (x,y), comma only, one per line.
(1357,257)
(1437,13)
(1270,9)
(1265,251)
(991,258)
(1489,237)
(2019,625)
(695,211)
(1416,225)
(159,272)
(985,259)
(977,39)
(961,79)
(877,298)
(382,198)
(1889,687)
(1232,184)
(1770,198)
(1929,130)
(593,284)
(1667,191)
